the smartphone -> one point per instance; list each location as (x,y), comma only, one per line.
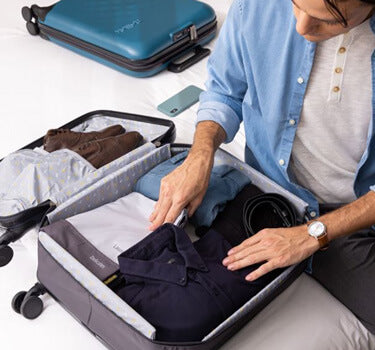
(181,101)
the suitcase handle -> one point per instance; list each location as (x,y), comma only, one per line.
(199,53)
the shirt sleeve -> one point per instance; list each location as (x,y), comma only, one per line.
(372,188)
(226,84)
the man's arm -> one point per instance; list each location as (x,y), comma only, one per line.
(187,185)
(219,117)
(286,246)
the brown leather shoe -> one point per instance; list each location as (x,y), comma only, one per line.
(56,139)
(102,152)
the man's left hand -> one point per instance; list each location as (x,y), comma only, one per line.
(274,248)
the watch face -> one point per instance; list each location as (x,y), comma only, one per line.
(316,229)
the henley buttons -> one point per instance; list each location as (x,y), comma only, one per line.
(336,89)
(338,70)
(282,162)
(300,80)
(292,122)
(342,50)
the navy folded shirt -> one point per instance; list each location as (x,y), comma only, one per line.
(181,287)
(225,183)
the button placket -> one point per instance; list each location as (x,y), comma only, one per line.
(339,67)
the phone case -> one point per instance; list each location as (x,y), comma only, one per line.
(181,101)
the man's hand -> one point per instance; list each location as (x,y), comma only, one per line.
(274,247)
(185,187)
(287,246)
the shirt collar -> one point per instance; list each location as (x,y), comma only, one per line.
(139,260)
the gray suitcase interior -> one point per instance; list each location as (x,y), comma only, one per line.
(94,304)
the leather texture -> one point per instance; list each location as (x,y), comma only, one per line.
(102,152)
(56,139)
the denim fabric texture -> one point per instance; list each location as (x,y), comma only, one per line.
(182,288)
(225,183)
(258,75)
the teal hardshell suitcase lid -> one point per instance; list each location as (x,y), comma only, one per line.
(136,37)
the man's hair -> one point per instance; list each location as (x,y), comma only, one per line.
(333,8)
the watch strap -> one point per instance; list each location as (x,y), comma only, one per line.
(323,242)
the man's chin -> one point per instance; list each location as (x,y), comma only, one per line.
(317,38)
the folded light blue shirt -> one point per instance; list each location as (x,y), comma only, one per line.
(224,185)
(258,74)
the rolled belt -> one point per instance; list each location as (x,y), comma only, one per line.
(268,210)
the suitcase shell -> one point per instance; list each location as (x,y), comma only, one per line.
(136,37)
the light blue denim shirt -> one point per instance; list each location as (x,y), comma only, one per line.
(258,74)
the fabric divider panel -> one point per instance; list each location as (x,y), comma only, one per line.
(111,187)
(67,236)
(62,286)
(264,183)
(148,130)
(79,274)
(78,186)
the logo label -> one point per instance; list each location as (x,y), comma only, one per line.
(97,262)
(128,26)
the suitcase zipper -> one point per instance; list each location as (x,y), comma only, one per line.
(134,65)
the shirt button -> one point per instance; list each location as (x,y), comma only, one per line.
(282,162)
(338,70)
(313,214)
(300,80)
(292,122)
(182,280)
(336,89)
(342,50)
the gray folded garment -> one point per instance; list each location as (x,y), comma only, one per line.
(29,177)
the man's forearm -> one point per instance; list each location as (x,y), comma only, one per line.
(207,139)
(353,217)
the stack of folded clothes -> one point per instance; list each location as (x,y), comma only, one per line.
(225,183)
(182,288)
(98,147)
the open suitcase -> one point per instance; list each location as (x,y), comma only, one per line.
(86,295)
(136,37)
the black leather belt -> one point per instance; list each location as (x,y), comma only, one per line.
(268,210)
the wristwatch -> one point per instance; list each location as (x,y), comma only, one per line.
(318,230)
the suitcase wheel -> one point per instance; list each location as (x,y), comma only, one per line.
(31,307)
(27,14)
(32,28)
(17,301)
(28,304)
(6,255)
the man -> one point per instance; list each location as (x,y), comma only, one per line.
(301,77)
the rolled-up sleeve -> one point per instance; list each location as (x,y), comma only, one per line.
(226,84)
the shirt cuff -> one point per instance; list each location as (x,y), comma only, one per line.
(221,114)
(372,188)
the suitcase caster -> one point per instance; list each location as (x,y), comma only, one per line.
(28,304)
(17,301)
(27,14)
(6,255)
(32,28)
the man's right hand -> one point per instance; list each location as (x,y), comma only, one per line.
(186,186)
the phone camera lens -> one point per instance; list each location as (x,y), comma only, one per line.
(174,110)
